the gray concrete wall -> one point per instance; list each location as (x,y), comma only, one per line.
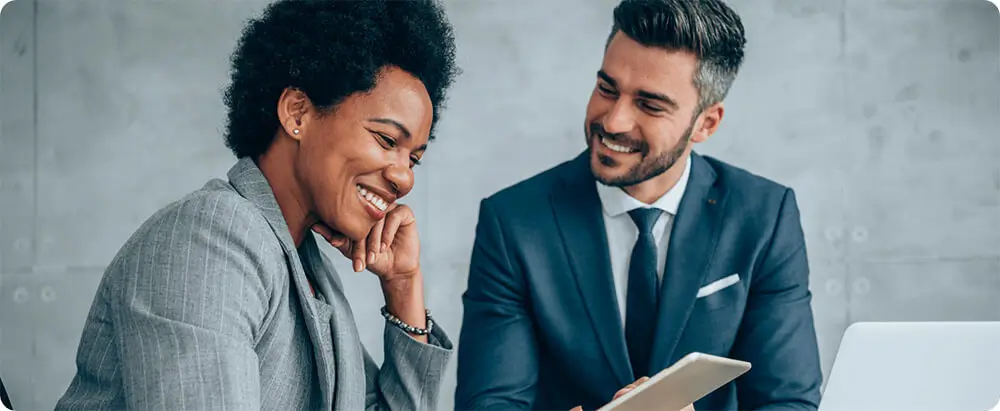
(882,114)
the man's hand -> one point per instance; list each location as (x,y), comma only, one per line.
(631,387)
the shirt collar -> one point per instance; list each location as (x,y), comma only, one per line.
(616,201)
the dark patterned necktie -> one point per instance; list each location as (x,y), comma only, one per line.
(640,309)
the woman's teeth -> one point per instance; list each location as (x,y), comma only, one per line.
(376,201)
(615,147)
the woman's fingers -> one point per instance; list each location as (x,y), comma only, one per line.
(374,242)
(358,255)
(337,240)
(398,217)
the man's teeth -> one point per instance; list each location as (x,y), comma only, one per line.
(615,147)
(376,201)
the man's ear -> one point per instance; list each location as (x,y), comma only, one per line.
(708,122)
(292,108)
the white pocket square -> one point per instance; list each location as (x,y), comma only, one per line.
(717,285)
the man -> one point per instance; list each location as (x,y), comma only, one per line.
(614,265)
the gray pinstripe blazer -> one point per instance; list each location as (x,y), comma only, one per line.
(207,306)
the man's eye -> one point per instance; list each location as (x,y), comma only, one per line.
(650,108)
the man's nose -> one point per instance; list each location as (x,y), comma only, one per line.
(619,119)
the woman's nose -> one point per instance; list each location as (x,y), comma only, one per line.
(400,179)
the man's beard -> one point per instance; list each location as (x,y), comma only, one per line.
(648,167)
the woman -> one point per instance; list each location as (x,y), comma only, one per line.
(222,300)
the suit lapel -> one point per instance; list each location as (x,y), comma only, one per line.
(578,214)
(250,182)
(690,252)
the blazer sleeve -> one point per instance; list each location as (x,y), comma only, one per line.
(193,291)
(411,374)
(777,334)
(497,349)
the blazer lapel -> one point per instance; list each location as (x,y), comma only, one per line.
(350,369)
(690,252)
(578,214)
(250,182)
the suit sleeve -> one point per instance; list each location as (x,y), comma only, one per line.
(411,374)
(777,334)
(498,353)
(194,292)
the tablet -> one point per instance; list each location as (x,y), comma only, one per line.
(694,376)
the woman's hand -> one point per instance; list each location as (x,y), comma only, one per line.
(392,252)
(392,249)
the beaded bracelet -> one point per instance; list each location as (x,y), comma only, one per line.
(392,319)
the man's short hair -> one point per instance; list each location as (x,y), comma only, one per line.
(709,29)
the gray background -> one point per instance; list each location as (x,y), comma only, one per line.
(882,114)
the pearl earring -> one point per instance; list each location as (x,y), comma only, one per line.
(295,131)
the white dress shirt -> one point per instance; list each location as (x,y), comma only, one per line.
(623,233)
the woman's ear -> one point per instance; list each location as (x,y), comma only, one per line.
(292,107)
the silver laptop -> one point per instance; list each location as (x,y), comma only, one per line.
(916,366)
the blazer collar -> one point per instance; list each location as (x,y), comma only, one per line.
(249,181)
(616,201)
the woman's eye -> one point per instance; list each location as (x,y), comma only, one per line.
(386,139)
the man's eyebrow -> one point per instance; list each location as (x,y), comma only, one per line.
(648,95)
(604,76)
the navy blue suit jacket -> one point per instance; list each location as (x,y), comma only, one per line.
(541,327)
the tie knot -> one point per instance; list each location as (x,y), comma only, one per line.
(645,218)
